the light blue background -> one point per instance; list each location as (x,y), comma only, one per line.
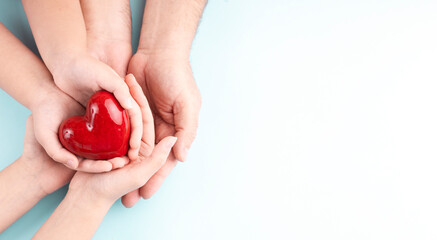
(318,122)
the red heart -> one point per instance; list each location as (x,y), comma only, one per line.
(103,132)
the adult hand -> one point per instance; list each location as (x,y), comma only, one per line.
(90,196)
(175,102)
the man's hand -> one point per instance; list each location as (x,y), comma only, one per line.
(161,66)
(175,102)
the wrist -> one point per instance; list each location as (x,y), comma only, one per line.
(170,26)
(77,217)
(28,176)
(161,59)
(48,92)
(84,197)
(86,201)
(156,51)
(62,63)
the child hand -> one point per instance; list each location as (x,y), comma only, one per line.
(112,185)
(49,174)
(48,114)
(81,76)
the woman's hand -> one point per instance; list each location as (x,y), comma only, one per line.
(112,185)
(90,196)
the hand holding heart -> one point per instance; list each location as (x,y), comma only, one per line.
(48,174)
(112,185)
(103,133)
(86,75)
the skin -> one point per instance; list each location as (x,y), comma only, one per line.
(27,80)
(91,195)
(35,174)
(30,178)
(109,32)
(75,71)
(162,68)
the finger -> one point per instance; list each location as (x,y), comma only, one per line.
(137,93)
(131,198)
(111,82)
(150,165)
(186,115)
(155,182)
(50,142)
(94,166)
(136,131)
(119,162)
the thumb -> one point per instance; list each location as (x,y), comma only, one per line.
(109,80)
(50,142)
(186,121)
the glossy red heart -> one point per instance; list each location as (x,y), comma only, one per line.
(103,133)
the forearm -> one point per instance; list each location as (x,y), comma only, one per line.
(58,28)
(19,192)
(109,32)
(22,75)
(108,19)
(170,26)
(77,217)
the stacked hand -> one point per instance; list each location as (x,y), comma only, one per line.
(112,185)
(175,102)
(82,77)
(95,54)
(86,47)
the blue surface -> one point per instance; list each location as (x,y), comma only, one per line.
(318,122)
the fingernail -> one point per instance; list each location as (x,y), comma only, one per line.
(70,163)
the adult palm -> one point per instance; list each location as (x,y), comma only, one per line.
(175,103)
